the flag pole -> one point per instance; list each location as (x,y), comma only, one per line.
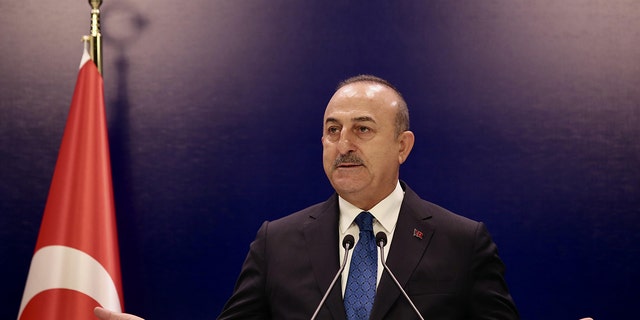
(95,41)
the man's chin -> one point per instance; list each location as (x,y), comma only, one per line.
(347,186)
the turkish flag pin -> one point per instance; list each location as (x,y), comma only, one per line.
(418,234)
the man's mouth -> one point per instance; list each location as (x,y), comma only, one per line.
(349,165)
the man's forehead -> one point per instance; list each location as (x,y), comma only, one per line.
(363,95)
(344,110)
(364,89)
(359,108)
(361,100)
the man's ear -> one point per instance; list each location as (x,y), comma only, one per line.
(406,140)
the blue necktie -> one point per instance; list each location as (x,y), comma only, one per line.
(363,272)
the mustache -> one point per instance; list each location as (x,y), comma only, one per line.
(349,158)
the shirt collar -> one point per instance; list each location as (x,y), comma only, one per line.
(385,212)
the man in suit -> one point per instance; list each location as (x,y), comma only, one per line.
(448,264)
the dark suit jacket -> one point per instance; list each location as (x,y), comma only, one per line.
(452,272)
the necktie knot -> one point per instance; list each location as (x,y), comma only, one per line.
(365,221)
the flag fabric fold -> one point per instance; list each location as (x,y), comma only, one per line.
(76,262)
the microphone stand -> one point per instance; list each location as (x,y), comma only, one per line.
(347,243)
(382,241)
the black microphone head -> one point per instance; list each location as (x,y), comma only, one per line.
(348,239)
(381,238)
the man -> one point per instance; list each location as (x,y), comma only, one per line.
(448,264)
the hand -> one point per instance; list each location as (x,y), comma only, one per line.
(104,314)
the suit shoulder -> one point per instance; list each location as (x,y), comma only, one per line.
(438,216)
(444,213)
(312,212)
(424,209)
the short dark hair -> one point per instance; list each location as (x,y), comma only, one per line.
(402,117)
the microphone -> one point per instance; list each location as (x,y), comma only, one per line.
(381,240)
(347,244)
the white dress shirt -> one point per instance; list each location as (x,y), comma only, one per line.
(385,216)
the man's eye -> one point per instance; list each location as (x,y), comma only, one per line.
(363,129)
(332,130)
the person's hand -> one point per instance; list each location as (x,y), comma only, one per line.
(104,314)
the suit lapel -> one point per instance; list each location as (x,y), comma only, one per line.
(411,238)
(321,235)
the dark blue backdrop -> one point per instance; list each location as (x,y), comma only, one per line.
(526,115)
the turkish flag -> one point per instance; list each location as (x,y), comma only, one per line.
(76,263)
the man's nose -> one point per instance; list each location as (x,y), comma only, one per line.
(345,144)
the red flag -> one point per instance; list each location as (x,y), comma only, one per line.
(76,263)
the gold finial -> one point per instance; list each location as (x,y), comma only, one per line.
(95,4)
(95,43)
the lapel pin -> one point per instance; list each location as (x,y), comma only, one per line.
(418,234)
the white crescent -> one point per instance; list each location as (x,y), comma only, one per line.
(61,267)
